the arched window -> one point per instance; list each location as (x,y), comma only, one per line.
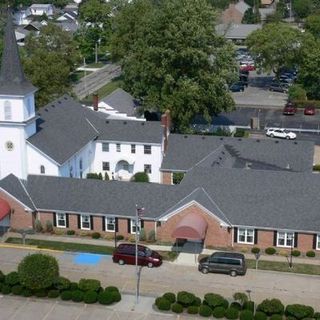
(7,110)
(42,169)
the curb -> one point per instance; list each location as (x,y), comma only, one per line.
(26,247)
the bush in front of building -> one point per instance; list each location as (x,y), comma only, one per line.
(77,296)
(193,309)
(152,236)
(259,315)
(119,237)
(205,310)
(246,315)
(105,298)
(170,296)
(176,308)
(90,297)
(140,177)
(185,298)
(95,235)
(70,232)
(2,277)
(214,300)
(236,305)
(40,293)
(97,176)
(5,289)
(218,312)
(248,305)
(12,279)
(89,284)
(17,290)
(66,295)
(26,292)
(255,250)
(38,226)
(61,283)
(316,315)
(232,313)
(299,311)
(276,317)
(197,302)
(295,253)
(49,226)
(311,254)
(241,297)
(142,235)
(53,294)
(163,304)
(38,271)
(270,250)
(271,306)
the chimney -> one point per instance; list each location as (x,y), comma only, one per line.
(166,123)
(95,101)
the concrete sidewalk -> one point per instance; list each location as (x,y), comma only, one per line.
(184,258)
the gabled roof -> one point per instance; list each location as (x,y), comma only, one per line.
(12,78)
(187,151)
(236,31)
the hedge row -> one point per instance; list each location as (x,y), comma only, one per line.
(272,250)
(217,306)
(87,290)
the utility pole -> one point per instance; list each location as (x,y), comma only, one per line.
(137,271)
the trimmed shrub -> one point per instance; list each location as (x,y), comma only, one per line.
(77,296)
(12,278)
(38,226)
(219,312)
(53,293)
(215,300)
(270,307)
(49,226)
(255,250)
(119,237)
(236,305)
(152,236)
(106,176)
(177,177)
(276,317)
(246,315)
(74,286)
(89,284)
(232,313)
(61,283)
(299,311)
(90,297)
(260,316)
(296,253)
(111,289)
(316,315)
(70,232)
(163,304)
(310,254)
(240,296)
(116,296)
(38,271)
(92,175)
(142,235)
(296,92)
(205,311)
(26,292)
(185,298)
(105,297)
(95,235)
(140,177)
(176,308)
(248,305)
(17,290)
(66,295)
(270,251)
(197,302)
(2,277)
(6,289)
(170,296)
(193,310)
(40,293)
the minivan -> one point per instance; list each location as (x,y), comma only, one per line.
(125,253)
(224,262)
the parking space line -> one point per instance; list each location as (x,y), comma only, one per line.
(20,307)
(51,309)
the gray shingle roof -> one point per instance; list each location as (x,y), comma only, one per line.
(236,31)
(15,187)
(186,151)
(12,78)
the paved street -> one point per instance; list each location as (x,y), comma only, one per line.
(290,288)
(96,80)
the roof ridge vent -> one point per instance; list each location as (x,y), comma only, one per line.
(65,98)
(53,106)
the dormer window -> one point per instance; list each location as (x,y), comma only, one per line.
(7,110)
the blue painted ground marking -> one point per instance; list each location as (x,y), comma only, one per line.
(88,258)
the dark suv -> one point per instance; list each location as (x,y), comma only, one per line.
(125,253)
(224,262)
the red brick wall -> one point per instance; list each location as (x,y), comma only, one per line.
(20,219)
(305,242)
(166,177)
(215,236)
(232,15)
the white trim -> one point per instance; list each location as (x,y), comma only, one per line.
(318,242)
(94,128)
(57,220)
(131,142)
(246,236)
(114,224)
(285,239)
(133,224)
(27,193)
(81,221)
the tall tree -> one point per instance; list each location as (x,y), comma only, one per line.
(312,25)
(302,8)
(274,46)
(251,16)
(173,59)
(48,60)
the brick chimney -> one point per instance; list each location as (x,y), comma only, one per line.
(166,123)
(95,101)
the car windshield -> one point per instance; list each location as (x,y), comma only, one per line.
(286,131)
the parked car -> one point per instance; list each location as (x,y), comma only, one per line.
(289,109)
(281,133)
(247,67)
(309,110)
(224,262)
(125,253)
(278,87)
(237,87)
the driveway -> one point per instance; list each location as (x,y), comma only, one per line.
(290,288)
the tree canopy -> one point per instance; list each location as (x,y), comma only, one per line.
(172,58)
(312,25)
(302,8)
(48,60)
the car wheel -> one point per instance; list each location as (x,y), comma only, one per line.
(287,137)
(204,270)
(121,262)
(233,273)
(150,265)
(271,135)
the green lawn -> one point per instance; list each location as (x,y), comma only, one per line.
(78,247)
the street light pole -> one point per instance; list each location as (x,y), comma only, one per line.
(96,52)
(137,271)
(291,248)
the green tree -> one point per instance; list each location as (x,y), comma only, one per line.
(38,271)
(251,16)
(312,25)
(140,177)
(173,59)
(48,60)
(275,46)
(302,8)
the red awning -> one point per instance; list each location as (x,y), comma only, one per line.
(4,208)
(192,227)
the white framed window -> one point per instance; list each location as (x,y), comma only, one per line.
(81,168)
(133,148)
(147,168)
(245,235)
(110,224)
(285,239)
(135,228)
(105,147)
(147,149)
(85,222)
(318,242)
(118,147)
(106,166)
(7,110)
(61,220)
(42,169)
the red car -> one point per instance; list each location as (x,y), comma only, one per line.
(247,67)
(309,110)
(289,109)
